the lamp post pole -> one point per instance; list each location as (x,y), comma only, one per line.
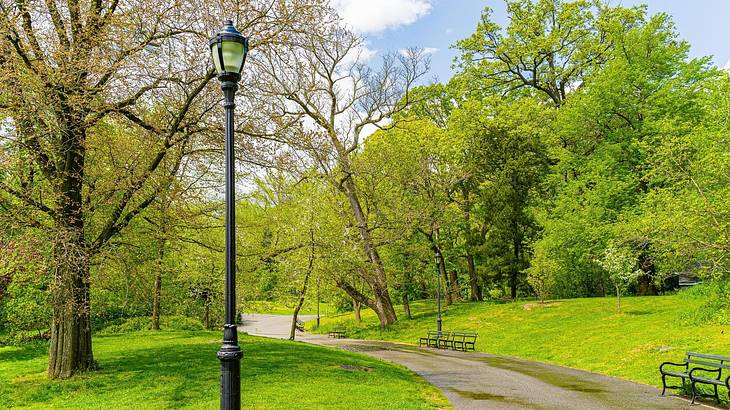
(228,50)
(438,291)
(230,353)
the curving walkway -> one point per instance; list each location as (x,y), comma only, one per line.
(485,381)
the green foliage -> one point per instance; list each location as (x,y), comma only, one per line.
(714,306)
(136,324)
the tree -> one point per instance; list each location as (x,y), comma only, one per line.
(98,75)
(324,116)
(541,275)
(621,267)
(547,48)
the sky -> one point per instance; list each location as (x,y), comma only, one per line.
(435,25)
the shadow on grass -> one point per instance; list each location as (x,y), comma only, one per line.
(26,351)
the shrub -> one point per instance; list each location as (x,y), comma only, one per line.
(136,324)
(715,306)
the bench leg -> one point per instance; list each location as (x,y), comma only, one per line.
(717,396)
(664,383)
(694,393)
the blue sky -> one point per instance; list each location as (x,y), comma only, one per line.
(437,24)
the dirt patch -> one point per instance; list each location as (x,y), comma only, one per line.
(530,306)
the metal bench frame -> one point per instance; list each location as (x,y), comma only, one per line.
(338,332)
(716,365)
(463,341)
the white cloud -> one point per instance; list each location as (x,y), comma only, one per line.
(361,54)
(426,50)
(374,16)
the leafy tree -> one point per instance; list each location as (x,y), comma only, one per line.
(621,267)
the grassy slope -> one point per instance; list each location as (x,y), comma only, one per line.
(180,370)
(280,308)
(581,333)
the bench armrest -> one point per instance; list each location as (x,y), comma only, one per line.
(702,369)
(661,366)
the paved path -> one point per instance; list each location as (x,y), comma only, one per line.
(484,381)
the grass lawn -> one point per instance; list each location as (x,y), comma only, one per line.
(581,333)
(156,370)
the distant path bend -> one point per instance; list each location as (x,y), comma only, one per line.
(485,381)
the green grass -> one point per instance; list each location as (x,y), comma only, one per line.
(283,308)
(581,333)
(157,370)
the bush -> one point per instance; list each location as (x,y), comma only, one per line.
(136,324)
(715,306)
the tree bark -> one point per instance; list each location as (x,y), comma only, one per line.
(476,291)
(406,306)
(454,285)
(384,315)
(302,295)
(356,310)
(382,304)
(70,348)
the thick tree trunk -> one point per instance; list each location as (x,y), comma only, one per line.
(476,291)
(406,306)
(385,315)
(70,348)
(356,310)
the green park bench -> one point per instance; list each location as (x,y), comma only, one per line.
(449,340)
(698,368)
(338,332)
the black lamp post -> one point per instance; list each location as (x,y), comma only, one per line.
(437,257)
(228,49)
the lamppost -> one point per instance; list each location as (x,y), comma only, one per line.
(437,257)
(228,49)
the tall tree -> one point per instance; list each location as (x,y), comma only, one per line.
(86,66)
(326,114)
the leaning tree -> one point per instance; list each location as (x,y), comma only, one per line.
(322,99)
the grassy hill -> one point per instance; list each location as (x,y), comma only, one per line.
(586,334)
(157,370)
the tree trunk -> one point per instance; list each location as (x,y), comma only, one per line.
(70,347)
(385,314)
(206,315)
(514,274)
(618,299)
(454,284)
(383,305)
(406,306)
(157,292)
(356,309)
(476,291)
(302,295)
